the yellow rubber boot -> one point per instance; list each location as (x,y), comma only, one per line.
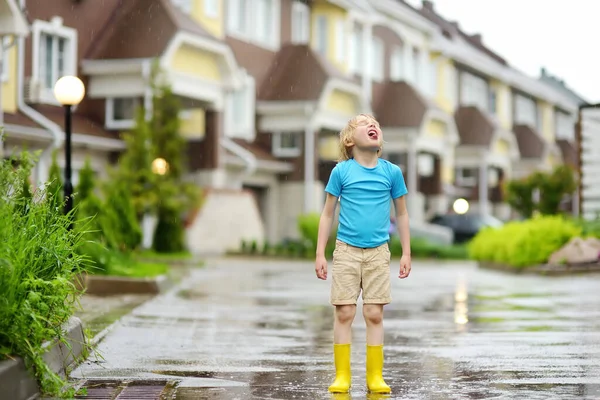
(341,356)
(375,382)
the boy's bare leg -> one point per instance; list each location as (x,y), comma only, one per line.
(342,324)
(373,314)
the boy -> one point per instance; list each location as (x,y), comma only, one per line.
(364,183)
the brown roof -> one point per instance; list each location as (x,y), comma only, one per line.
(400,105)
(142,29)
(297,73)
(531,145)
(568,151)
(80,123)
(257,150)
(474,127)
(20,119)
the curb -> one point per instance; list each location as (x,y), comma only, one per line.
(543,269)
(15,381)
(98,285)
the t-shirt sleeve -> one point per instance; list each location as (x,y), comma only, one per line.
(398,185)
(334,186)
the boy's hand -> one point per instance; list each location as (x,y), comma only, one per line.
(404,267)
(321,267)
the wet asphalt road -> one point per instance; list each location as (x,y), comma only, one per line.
(263,330)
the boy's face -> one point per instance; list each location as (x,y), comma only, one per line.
(368,135)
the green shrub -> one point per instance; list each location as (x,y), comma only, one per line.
(308,225)
(523,243)
(169,235)
(422,248)
(38,264)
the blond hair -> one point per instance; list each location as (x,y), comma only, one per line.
(347,134)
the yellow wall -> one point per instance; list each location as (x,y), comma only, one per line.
(194,125)
(9,88)
(200,63)
(501,147)
(329,148)
(333,14)
(342,102)
(448,173)
(547,115)
(435,128)
(442,98)
(503,104)
(211,24)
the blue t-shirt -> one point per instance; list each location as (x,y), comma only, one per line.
(365,200)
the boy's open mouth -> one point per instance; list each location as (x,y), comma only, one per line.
(372,134)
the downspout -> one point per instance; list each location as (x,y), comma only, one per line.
(55,130)
(247,156)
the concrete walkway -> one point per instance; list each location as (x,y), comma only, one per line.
(263,330)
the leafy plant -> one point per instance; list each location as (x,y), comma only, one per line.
(523,243)
(38,263)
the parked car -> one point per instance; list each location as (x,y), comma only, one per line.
(465,226)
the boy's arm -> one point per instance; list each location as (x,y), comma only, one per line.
(403,224)
(325,223)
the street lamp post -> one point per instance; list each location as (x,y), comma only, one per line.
(69,91)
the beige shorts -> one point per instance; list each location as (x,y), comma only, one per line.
(355,269)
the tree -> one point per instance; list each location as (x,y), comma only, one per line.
(551,188)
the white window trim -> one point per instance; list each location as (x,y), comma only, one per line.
(282,152)
(378,70)
(247,128)
(110,122)
(340,40)
(397,64)
(464,181)
(211,8)
(300,11)
(4,59)
(56,28)
(274,41)
(184,5)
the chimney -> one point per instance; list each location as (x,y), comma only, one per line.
(427,5)
(543,72)
(476,37)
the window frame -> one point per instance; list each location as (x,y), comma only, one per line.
(285,152)
(115,124)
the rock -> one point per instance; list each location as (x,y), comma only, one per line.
(577,251)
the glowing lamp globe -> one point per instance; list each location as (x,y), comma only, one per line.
(160,166)
(69,90)
(461,206)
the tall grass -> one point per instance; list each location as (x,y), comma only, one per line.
(38,263)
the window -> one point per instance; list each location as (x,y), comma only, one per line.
(300,23)
(340,40)
(240,111)
(451,86)
(416,60)
(431,79)
(54,55)
(287,144)
(466,177)
(377,60)
(493,101)
(525,111)
(186,5)
(211,8)
(474,91)
(4,72)
(400,159)
(397,64)
(120,112)
(321,34)
(255,21)
(565,126)
(356,51)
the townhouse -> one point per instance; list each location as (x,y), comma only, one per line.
(266,85)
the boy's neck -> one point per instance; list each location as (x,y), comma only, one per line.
(366,158)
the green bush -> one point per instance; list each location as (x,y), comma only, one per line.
(523,243)
(422,248)
(169,235)
(38,264)
(308,225)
